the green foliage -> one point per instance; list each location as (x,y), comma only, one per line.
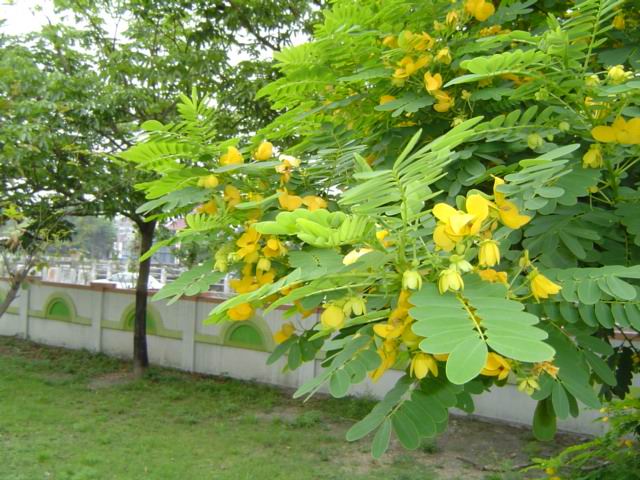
(462,206)
(613,455)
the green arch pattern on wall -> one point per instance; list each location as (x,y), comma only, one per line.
(60,307)
(152,321)
(155,326)
(245,335)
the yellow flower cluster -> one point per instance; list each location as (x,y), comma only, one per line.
(291,202)
(620,131)
(481,10)
(394,332)
(433,84)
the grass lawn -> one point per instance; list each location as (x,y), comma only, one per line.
(74,415)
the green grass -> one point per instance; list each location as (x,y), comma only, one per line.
(169,425)
(74,416)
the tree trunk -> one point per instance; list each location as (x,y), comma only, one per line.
(140,356)
(12,293)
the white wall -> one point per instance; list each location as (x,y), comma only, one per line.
(183,341)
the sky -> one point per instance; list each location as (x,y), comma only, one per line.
(21,17)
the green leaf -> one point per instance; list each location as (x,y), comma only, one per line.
(192,282)
(600,368)
(621,289)
(544,421)
(466,360)
(381,439)
(405,430)
(339,383)
(560,400)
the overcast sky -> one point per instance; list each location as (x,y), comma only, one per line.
(21,17)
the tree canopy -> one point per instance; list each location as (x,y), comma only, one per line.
(453,185)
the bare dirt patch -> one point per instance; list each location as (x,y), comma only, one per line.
(111,380)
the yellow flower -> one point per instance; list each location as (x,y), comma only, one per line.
(232,157)
(492,276)
(388,354)
(386,99)
(244,285)
(496,366)
(432,82)
(209,181)
(248,243)
(617,75)
(231,195)
(444,101)
(314,203)
(381,235)
(332,317)
(264,151)
(593,157)
(466,95)
(480,9)
(450,279)
(210,207)
(264,264)
(354,255)
(264,278)
(422,41)
(422,364)
(244,311)
(390,330)
(541,286)
(618,22)
(444,56)
(454,224)
(507,210)
(289,202)
(410,339)
(592,81)
(274,248)
(620,131)
(390,41)
(452,18)
(411,280)
(408,66)
(528,385)
(284,333)
(547,367)
(493,30)
(489,254)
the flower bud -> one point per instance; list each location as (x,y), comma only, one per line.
(450,279)
(564,126)
(209,181)
(332,317)
(534,141)
(264,264)
(411,280)
(616,74)
(489,254)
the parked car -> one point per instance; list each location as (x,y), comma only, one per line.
(129,279)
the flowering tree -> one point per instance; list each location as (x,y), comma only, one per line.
(457,196)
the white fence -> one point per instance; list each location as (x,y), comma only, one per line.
(99,318)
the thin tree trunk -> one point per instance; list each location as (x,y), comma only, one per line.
(16,279)
(11,295)
(140,356)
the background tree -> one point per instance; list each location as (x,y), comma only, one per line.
(124,62)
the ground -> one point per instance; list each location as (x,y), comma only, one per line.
(70,415)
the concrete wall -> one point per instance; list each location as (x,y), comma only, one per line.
(97,318)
